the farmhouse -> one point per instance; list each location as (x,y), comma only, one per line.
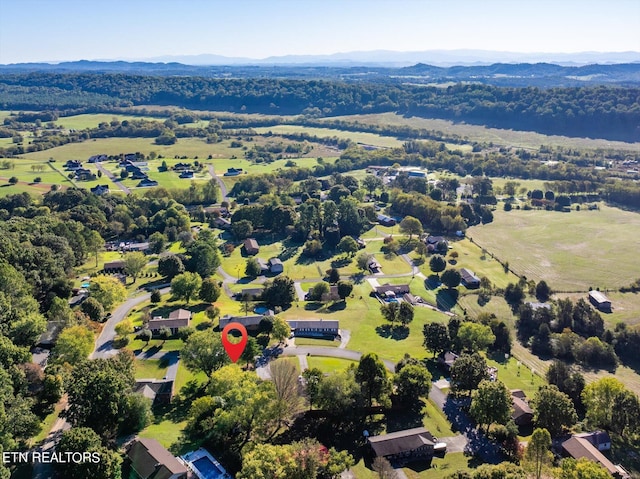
(579,447)
(600,301)
(177,319)
(405,446)
(159,391)
(522,414)
(385,220)
(314,327)
(251,246)
(469,279)
(149,460)
(276,266)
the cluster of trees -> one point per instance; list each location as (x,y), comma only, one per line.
(602,111)
(487,332)
(570,331)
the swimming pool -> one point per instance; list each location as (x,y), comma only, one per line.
(85,285)
(206,468)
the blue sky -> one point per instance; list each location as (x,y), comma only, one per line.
(55,30)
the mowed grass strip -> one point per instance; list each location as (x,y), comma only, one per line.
(570,251)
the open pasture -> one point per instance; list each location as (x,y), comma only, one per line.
(358,137)
(523,139)
(92,120)
(571,251)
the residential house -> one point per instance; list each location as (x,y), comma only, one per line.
(181,166)
(332,295)
(149,460)
(468,279)
(598,439)
(97,158)
(374,266)
(600,301)
(186,174)
(437,244)
(264,265)
(522,413)
(251,246)
(72,165)
(275,266)
(233,172)
(393,290)
(447,359)
(146,182)
(314,327)
(100,190)
(159,391)
(177,319)
(116,266)
(404,446)
(411,299)
(385,220)
(579,447)
(252,323)
(251,294)
(139,175)
(222,223)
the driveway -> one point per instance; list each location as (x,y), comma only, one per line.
(104,344)
(113,178)
(332,353)
(223,187)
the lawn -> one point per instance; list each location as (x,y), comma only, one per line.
(369,331)
(150,369)
(358,137)
(571,251)
(441,467)
(329,365)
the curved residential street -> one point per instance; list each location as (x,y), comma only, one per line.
(104,344)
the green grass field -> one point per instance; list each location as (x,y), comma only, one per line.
(526,139)
(571,251)
(92,120)
(329,365)
(150,369)
(358,137)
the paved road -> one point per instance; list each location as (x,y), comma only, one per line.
(113,178)
(104,344)
(223,187)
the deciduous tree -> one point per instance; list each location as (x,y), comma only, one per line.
(73,346)
(210,290)
(538,454)
(203,351)
(411,226)
(599,399)
(373,379)
(186,286)
(553,410)
(436,338)
(134,263)
(413,382)
(491,403)
(467,372)
(107,290)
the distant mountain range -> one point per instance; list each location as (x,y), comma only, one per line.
(387,58)
(501,74)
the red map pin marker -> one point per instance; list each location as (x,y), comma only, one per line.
(234,350)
